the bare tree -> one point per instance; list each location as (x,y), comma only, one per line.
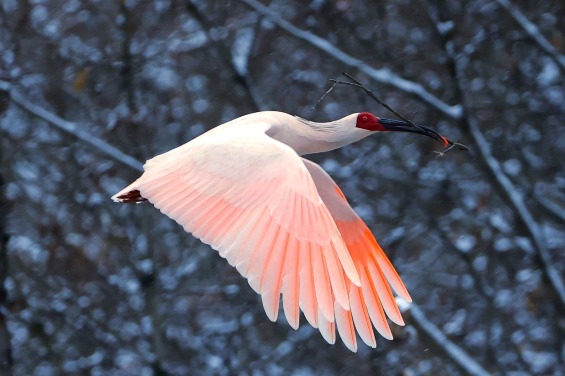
(89,92)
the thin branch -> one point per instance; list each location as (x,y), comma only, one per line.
(420,128)
(533,31)
(517,201)
(370,93)
(482,286)
(384,75)
(456,353)
(70,127)
(334,84)
(505,185)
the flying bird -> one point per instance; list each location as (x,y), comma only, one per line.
(281,220)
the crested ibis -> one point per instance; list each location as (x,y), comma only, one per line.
(280,220)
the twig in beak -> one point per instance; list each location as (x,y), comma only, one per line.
(358,84)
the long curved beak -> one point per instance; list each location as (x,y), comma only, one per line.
(402,126)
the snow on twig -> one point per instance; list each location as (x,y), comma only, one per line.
(456,353)
(70,127)
(534,32)
(505,184)
(383,75)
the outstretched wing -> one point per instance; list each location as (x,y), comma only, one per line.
(253,200)
(373,298)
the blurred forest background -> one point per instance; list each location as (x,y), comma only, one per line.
(90,88)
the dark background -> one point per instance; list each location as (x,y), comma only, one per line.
(93,287)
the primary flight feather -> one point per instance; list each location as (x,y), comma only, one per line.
(280,219)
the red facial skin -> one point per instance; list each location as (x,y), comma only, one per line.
(368,121)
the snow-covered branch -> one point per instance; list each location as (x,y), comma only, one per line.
(70,127)
(504,183)
(456,353)
(517,202)
(384,75)
(533,31)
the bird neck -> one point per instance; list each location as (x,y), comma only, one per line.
(312,137)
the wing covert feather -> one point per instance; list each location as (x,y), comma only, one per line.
(255,202)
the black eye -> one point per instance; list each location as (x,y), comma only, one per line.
(365,118)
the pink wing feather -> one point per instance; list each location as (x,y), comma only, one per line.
(253,200)
(373,298)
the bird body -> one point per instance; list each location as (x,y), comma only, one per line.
(244,189)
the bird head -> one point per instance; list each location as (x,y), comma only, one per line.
(368,121)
